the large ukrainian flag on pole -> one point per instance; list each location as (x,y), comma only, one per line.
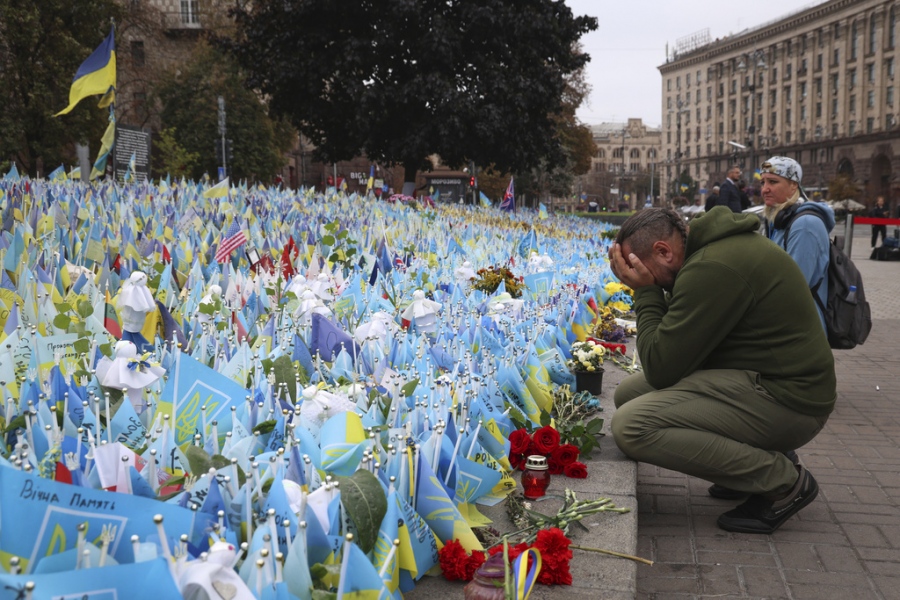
(96,75)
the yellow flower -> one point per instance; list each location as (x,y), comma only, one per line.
(591,368)
(598,350)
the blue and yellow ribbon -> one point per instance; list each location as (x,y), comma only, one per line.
(523,577)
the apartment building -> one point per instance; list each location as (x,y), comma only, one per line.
(817,85)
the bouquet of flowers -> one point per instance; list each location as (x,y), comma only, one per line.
(587,357)
(562,459)
(488,280)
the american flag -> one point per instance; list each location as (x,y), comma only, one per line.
(509,198)
(233,239)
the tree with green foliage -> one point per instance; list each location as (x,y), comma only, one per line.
(189,100)
(42,44)
(399,81)
(172,158)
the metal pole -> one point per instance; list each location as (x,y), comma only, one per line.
(222,133)
(651,182)
(848,234)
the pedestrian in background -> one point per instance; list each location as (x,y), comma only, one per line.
(713,198)
(728,192)
(797,225)
(879,212)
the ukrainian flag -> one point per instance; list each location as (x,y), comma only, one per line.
(96,75)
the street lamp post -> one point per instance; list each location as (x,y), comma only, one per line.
(757,60)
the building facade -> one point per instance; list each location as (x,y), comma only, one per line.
(817,85)
(624,170)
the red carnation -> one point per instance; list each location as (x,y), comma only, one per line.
(473,563)
(565,454)
(576,470)
(453,559)
(546,440)
(554,547)
(519,441)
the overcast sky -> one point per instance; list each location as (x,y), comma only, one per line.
(630,43)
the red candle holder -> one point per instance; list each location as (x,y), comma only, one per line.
(536,477)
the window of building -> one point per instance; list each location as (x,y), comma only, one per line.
(678,82)
(687,98)
(651,153)
(852,103)
(617,153)
(834,107)
(802,44)
(733,86)
(817,84)
(870,99)
(719,110)
(889,67)
(834,83)
(687,152)
(698,116)
(891,26)
(818,109)
(698,155)
(872,37)
(669,103)
(773,119)
(140,105)
(837,31)
(802,113)
(889,95)
(837,57)
(851,128)
(851,78)
(834,130)
(787,117)
(787,70)
(819,61)
(788,47)
(709,94)
(854,39)
(773,98)
(787,137)
(708,131)
(687,80)
(732,108)
(870,124)
(668,85)
(802,138)
(774,74)
(601,153)
(721,89)
(635,153)
(787,95)
(687,135)
(733,125)
(870,72)
(190,12)
(721,128)
(708,112)
(802,90)
(138,58)
(668,137)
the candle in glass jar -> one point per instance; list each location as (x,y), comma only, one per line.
(536,477)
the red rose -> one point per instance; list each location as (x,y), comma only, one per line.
(565,454)
(555,467)
(546,440)
(519,440)
(576,470)
(453,559)
(517,461)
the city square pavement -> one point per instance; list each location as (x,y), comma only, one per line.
(844,545)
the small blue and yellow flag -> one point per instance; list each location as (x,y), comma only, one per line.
(96,75)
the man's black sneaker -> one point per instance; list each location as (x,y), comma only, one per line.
(723,493)
(763,515)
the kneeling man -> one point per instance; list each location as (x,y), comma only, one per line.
(737,369)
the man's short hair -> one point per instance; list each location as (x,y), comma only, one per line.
(715,188)
(648,226)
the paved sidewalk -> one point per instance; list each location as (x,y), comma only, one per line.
(847,543)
